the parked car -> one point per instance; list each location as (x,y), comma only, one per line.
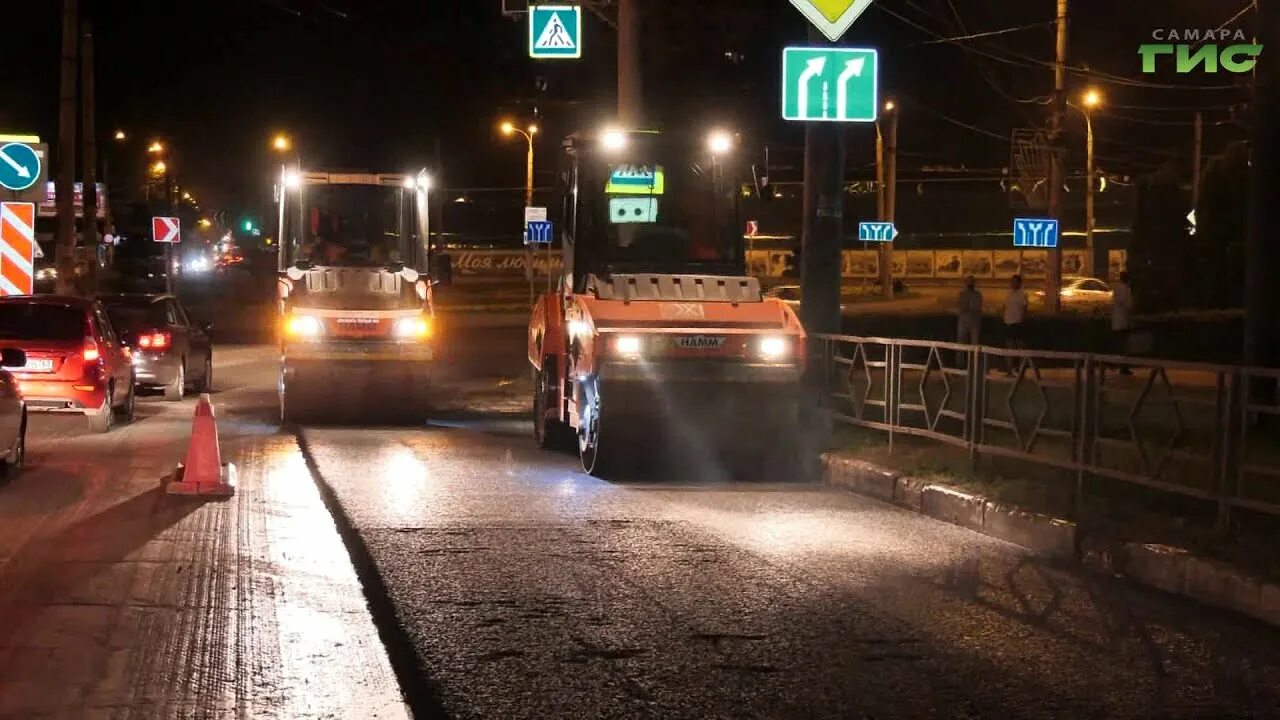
(74,362)
(170,351)
(13,415)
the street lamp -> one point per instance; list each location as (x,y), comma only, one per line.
(120,136)
(1091,100)
(509,128)
(156,147)
(281,143)
(158,168)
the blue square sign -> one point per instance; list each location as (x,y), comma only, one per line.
(538,233)
(1035,233)
(555,32)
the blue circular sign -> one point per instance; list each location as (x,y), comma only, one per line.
(19,166)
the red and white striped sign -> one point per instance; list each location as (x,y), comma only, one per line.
(17,248)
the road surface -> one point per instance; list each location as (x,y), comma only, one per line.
(507,584)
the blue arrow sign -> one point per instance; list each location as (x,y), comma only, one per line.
(877,232)
(1035,232)
(19,166)
(538,233)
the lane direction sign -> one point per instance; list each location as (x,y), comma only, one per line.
(19,166)
(555,32)
(830,84)
(832,17)
(877,232)
(1035,232)
(539,233)
(166,230)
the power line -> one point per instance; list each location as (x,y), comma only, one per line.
(989,33)
(961,123)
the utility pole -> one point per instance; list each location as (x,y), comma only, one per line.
(884,257)
(90,148)
(630,97)
(890,197)
(1262,323)
(1196,156)
(1053,280)
(820,274)
(65,254)
(1090,176)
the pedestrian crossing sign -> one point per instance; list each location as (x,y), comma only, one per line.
(555,32)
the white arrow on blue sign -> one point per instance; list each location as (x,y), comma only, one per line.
(19,166)
(1035,232)
(877,232)
(538,233)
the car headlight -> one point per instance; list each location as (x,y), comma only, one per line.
(627,345)
(413,328)
(774,347)
(303,326)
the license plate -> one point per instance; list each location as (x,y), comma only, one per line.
(38,365)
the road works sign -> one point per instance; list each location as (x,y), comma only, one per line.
(830,84)
(555,32)
(19,166)
(877,232)
(832,17)
(17,248)
(1035,232)
(166,230)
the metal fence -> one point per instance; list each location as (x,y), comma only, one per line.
(1196,430)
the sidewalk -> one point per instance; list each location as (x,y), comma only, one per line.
(122,601)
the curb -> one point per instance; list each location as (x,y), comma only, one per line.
(1162,567)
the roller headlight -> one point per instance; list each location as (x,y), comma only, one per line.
(413,328)
(774,347)
(627,345)
(303,326)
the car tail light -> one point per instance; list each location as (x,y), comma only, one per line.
(154,341)
(91,353)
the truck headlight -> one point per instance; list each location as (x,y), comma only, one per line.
(774,347)
(413,328)
(627,345)
(303,326)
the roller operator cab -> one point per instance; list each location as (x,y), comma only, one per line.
(357,325)
(656,337)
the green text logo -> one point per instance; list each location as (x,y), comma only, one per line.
(1195,49)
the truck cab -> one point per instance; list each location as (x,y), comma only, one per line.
(357,271)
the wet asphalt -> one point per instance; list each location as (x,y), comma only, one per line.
(508,584)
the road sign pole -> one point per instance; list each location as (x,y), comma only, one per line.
(1053,273)
(890,200)
(89,225)
(820,262)
(630,100)
(65,258)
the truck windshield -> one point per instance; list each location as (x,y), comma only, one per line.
(349,226)
(664,211)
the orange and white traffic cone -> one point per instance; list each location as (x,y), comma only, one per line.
(203,472)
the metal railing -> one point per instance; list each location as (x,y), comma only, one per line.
(1191,429)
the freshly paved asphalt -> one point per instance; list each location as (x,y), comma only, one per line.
(521,588)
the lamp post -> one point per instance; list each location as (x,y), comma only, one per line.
(1092,99)
(509,128)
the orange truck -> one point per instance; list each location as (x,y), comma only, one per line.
(656,337)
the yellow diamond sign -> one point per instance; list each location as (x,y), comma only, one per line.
(832,17)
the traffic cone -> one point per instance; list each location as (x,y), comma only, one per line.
(203,472)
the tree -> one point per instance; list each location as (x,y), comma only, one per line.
(1158,254)
(1222,225)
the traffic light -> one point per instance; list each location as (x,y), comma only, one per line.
(248,225)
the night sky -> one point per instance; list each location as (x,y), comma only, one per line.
(377,83)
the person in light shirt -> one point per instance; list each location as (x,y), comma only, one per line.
(1015,316)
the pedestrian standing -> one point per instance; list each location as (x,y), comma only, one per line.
(1122,318)
(1015,317)
(968,315)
